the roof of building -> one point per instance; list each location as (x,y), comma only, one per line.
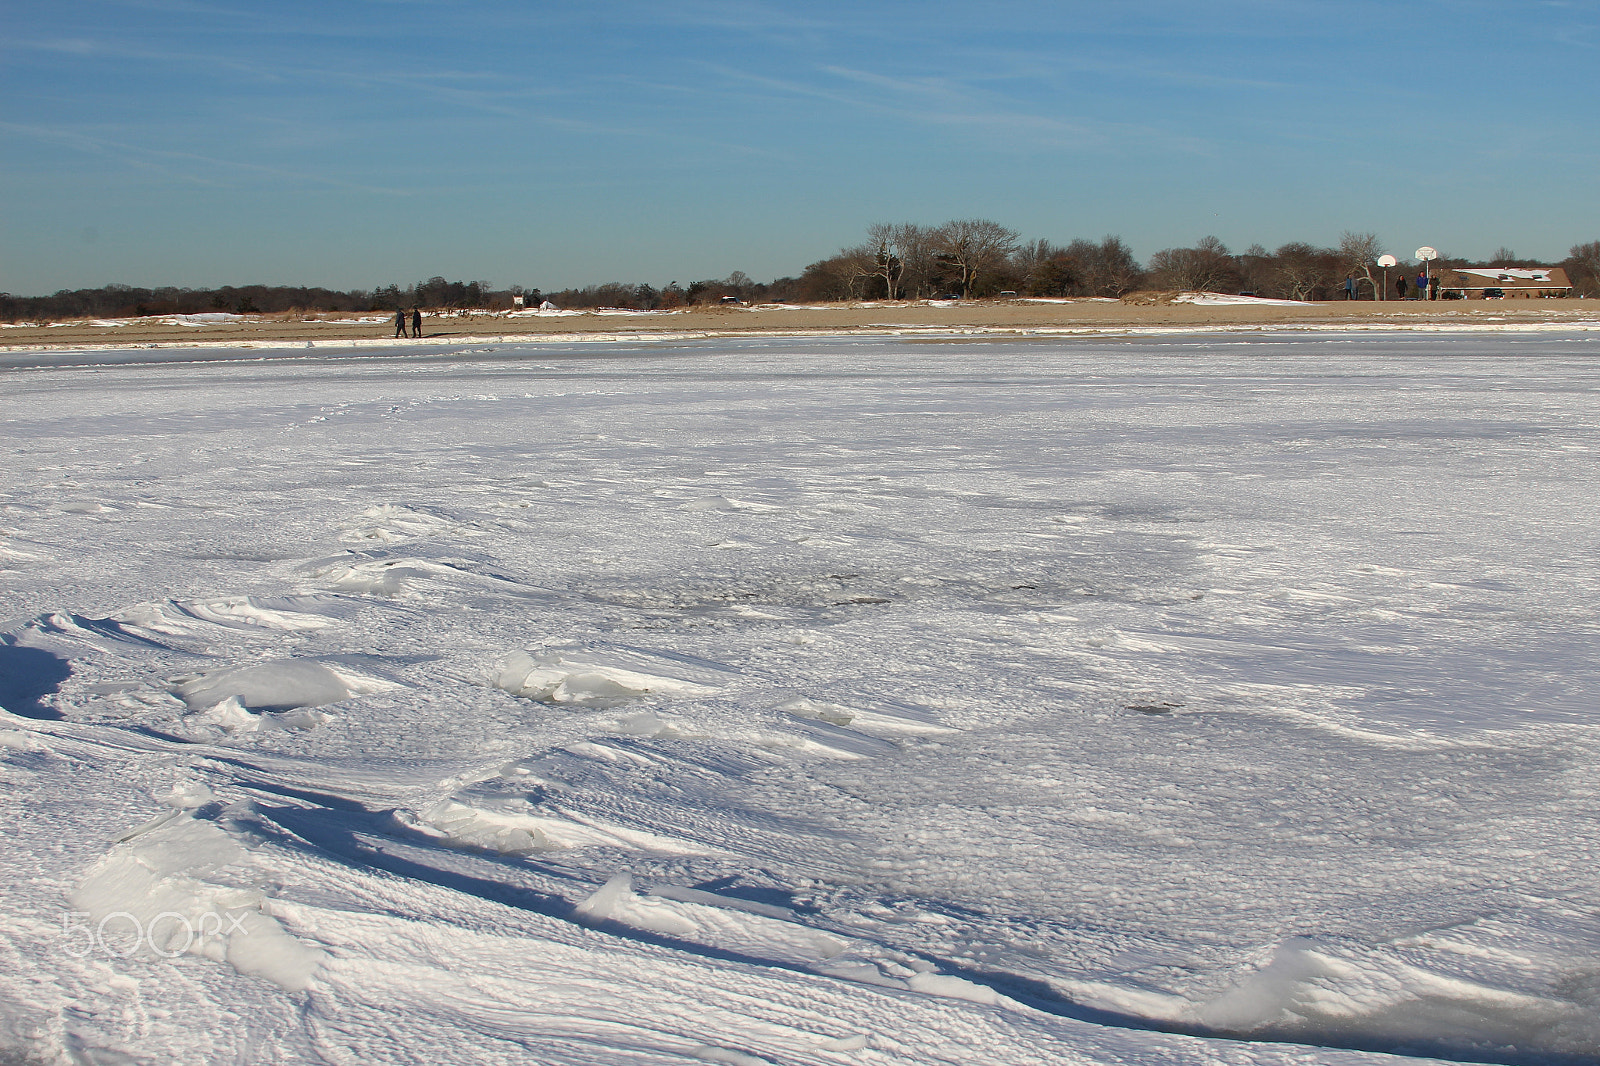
(1552,277)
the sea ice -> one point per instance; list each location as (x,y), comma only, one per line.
(1203,698)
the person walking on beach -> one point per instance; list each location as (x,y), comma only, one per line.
(1349,287)
(416,322)
(400,323)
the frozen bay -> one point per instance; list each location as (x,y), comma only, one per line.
(1185,699)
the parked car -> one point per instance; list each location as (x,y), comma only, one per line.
(1494,294)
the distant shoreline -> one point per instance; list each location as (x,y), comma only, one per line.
(986,318)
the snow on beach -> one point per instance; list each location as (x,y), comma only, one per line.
(1223,299)
(1206,698)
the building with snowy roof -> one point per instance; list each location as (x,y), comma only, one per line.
(1478,283)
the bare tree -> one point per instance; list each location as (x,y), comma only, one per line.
(837,277)
(1257,272)
(1360,253)
(1107,268)
(887,263)
(1303,269)
(973,247)
(1045,269)
(1583,264)
(903,257)
(861,263)
(914,244)
(1030,260)
(1208,266)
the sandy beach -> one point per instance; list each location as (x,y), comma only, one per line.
(998,317)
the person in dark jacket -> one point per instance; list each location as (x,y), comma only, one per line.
(1400,286)
(416,322)
(400,323)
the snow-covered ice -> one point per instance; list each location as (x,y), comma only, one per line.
(1210,698)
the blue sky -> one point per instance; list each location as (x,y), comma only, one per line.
(352,143)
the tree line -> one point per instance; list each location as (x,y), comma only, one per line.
(127,301)
(970,258)
(964,259)
(435,294)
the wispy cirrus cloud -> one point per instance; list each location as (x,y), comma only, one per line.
(171,163)
(754,17)
(952,103)
(1053,67)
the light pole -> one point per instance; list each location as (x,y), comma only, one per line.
(1386,261)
